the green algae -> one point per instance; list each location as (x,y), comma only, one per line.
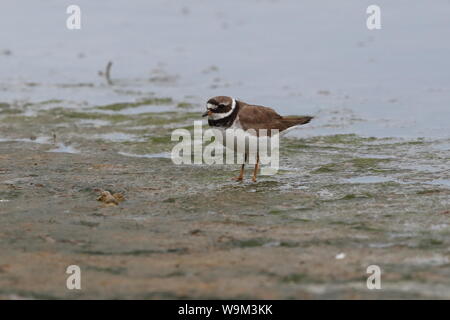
(276,211)
(163,118)
(250,243)
(359,164)
(430,191)
(348,139)
(10,109)
(125,105)
(353,196)
(61,115)
(185,105)
(328,168)
(295,278)
(367,163)
(428,243)
(44,103)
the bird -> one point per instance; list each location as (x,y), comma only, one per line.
(226,113)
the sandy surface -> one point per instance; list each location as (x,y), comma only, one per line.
(189,232)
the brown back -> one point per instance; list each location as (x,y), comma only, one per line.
(259,117)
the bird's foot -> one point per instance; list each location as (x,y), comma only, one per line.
(237,178)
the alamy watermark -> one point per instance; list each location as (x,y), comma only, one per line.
(373,21)
(374,280)
(73,281)
(73,22)
(241,146)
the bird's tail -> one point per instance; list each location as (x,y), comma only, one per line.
(295,121)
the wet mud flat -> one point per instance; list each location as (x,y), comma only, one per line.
(339,204)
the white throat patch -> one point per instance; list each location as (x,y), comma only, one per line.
(217,116)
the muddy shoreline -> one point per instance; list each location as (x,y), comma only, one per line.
(189,232)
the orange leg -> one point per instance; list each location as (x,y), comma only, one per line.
(256,169)
(241,174)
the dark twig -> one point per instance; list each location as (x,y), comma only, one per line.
(108,73)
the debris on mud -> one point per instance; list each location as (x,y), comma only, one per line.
(110,199)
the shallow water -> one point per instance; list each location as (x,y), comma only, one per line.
(366,182)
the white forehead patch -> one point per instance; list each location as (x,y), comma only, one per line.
(211,106)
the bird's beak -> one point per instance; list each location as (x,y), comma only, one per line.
(207,113)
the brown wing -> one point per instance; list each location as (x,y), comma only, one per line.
(259,117)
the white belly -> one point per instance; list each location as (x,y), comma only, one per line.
(238,140)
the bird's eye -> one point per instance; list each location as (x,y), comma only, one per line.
(221,106)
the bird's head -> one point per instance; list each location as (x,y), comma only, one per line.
(219,107)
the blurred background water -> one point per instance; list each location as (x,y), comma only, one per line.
(308,57)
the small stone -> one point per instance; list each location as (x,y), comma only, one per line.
(340,256)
